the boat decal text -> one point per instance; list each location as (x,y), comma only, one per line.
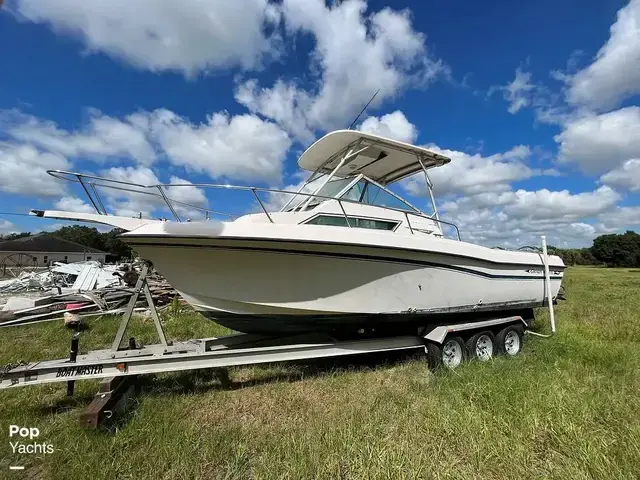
(552,272)
(79,371)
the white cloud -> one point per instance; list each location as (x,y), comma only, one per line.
(599,143)
(538,205)
(545,205)
(517,218)
(626,176)
(494,228)
(243,147)
(147,200)
(139,175)
(189,36)
(101,137)
(621,218)
(136,202)
(7,227)
(605,144)
(355,54)
(472,174)
(393,125)
(518,92)
(615,73)
(612,77)
(180,193)
(74,204)
(23,170)
(283,102)
(547,104)
(191,196)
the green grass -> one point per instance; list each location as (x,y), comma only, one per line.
(567,407)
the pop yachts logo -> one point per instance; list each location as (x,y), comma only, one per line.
(20,446)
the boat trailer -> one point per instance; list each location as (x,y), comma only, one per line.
(120,368)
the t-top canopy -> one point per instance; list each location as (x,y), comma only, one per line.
(381,159)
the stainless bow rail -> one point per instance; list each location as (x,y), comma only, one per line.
(91,183)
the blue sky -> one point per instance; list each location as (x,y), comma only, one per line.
(537,104)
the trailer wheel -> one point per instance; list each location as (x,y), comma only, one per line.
(509,340)
(481,346)
(451,353)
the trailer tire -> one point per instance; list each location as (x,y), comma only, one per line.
(450,354)
(509,340)
(482,346)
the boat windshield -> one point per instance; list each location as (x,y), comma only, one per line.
(333,187)
(362,191)
(370,194)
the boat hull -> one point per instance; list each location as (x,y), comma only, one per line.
(261,286)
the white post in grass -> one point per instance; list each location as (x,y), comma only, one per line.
(547,282)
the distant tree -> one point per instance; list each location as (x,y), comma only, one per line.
(116,247)
(587,258)
(574,256)
(91,237)
(564,254)
(14,236)
(88,236)
(618,250)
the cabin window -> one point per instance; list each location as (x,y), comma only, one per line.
(88,257)
(46,259)
(341,221)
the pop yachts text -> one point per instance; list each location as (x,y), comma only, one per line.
(34,447)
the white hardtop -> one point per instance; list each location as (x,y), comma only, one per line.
(381,159)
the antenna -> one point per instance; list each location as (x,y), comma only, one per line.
(363,109)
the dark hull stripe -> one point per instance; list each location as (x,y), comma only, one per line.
(141,240)
(354,256)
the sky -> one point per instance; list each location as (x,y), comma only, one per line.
(536,103)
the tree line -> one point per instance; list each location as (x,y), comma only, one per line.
(612,250)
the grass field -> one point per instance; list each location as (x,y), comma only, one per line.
(567,407)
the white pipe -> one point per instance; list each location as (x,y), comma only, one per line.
(433,200)
(430,188)
(547,287)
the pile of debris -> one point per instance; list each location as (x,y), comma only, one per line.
(82,288)
(73,276)
(27,282)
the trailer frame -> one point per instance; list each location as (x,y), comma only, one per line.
(220,352)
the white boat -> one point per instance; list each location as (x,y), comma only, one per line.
(344,253)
